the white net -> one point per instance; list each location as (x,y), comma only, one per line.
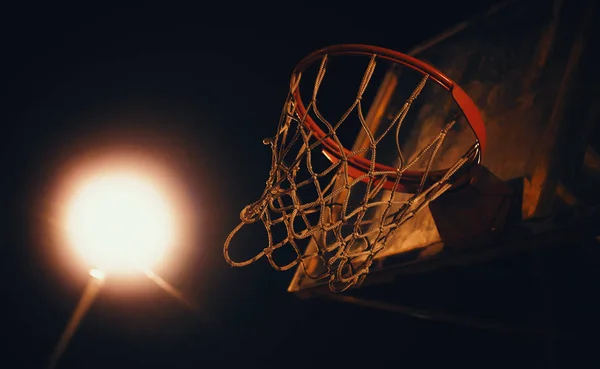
(336,217)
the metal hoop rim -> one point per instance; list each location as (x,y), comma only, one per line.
(359,166)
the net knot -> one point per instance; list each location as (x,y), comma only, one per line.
(251,213)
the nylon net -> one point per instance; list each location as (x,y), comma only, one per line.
(331,220)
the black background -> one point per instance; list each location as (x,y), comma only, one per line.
(204,82)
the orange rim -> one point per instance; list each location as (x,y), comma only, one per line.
(359,166)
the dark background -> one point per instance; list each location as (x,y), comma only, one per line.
(203,84)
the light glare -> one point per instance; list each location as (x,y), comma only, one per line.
(97,274)
(119,222)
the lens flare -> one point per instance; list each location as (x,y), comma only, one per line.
(119,222)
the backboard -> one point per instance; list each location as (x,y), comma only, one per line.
(527,66)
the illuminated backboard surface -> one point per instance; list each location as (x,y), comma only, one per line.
(528,65)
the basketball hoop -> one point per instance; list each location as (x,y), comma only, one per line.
(332,230)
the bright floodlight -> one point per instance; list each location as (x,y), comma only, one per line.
(119,222)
